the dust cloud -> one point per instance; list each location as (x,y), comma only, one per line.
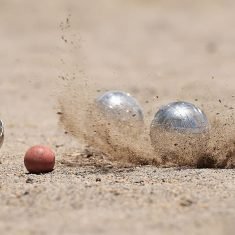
(81,119)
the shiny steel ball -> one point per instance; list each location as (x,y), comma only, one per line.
(181,117)
(179,131)
(1,133)
(119,110)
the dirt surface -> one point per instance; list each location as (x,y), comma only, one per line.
(160,51)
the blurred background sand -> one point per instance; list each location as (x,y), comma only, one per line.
(171,49)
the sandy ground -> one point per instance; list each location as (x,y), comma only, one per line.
(170,49)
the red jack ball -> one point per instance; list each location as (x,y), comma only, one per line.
(39,159)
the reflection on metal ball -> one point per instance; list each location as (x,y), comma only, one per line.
(179,128)
(182,117)
(1,133)
(120,110)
